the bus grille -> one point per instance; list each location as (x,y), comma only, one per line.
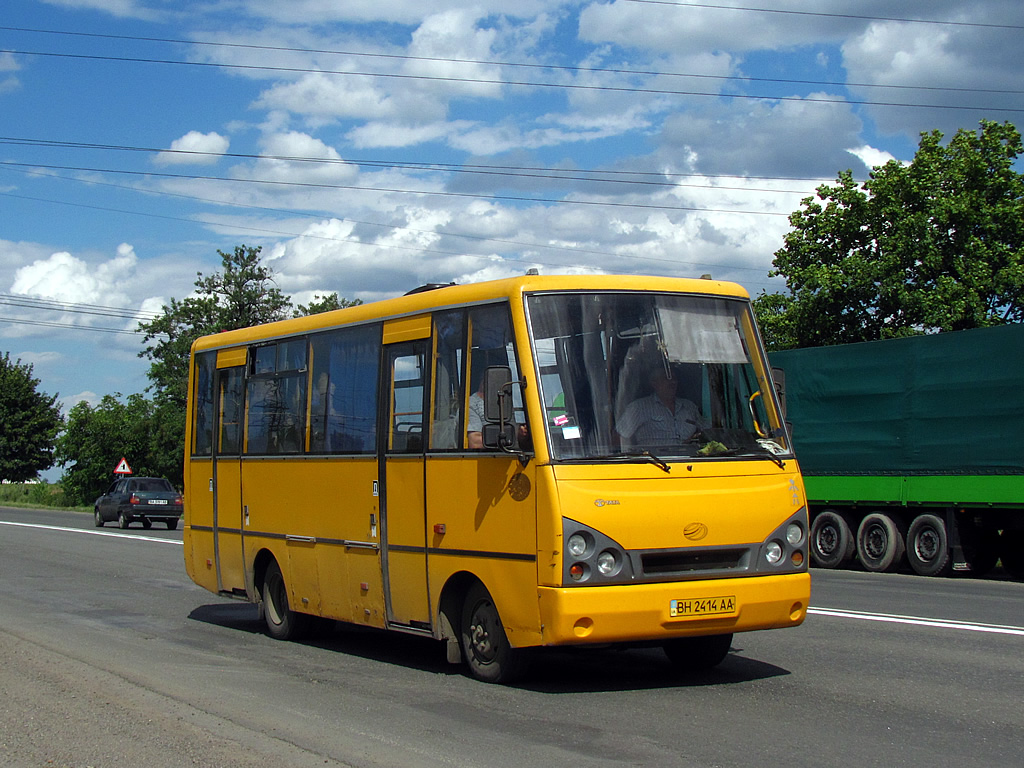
(688,561)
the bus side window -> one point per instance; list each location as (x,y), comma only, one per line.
(449,353)
(343,402)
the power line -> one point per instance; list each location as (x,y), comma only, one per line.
(34,302)
(684,4)
(520,83)
(632,178)
(523,65)
(396,190)
(41,323)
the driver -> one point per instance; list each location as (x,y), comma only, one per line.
(660,418)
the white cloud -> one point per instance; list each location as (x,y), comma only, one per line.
(195,148)
(66,278)
(871,157)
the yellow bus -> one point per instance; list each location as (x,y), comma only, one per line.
(537,461)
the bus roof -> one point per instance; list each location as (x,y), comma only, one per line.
(470,293)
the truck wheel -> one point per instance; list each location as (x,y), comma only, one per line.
(1011,552)
(928,546)
(880,544)
(832,542)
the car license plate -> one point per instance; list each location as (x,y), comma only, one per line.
(158,501)
(702,606)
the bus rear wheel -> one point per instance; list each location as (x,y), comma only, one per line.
(282,622)
(485,645)
(694,654)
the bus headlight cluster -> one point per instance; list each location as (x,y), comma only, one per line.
(786,547)
(592,558)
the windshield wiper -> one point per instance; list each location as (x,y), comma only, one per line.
(645,455)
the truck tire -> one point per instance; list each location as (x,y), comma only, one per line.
(880,543)
(1011,552)
(928,546)
(833,544)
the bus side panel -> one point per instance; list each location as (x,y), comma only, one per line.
(320,504)
(198,533)
(487,506)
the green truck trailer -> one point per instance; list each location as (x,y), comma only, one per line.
(912,450)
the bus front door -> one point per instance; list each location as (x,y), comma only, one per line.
(227,481)
(403,496)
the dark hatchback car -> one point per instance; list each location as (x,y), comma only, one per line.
(143,499)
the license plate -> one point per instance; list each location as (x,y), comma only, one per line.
(703,606)
(158,501)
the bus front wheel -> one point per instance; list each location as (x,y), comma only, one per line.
(282,622)
(485,646)
(693,654)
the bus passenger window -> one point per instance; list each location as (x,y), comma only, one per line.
(450,339)
(343,404)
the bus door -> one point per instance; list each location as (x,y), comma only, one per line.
(227,480)
(403,493)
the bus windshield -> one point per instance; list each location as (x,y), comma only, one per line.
(652,375)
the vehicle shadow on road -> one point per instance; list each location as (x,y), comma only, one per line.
(553,670)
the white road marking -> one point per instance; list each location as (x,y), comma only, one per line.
(919,621)
(93,533)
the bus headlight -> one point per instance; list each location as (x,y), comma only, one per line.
(773,552)
(608,563)
(577,545)
(794,534)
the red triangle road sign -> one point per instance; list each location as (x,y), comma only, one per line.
(123,468)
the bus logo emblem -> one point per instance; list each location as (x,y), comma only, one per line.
(695,531)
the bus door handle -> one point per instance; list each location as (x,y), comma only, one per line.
(300,539)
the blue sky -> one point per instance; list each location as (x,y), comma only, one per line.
(373,146)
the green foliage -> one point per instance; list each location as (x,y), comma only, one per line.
(936,245)
(327,303)
(29,422)
(32,495)
(97,437)
(238,297)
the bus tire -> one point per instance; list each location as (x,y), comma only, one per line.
(1011,552)
(282,622)
(694,654)
(880,544)
(928,546)
(833,544)
(485,645)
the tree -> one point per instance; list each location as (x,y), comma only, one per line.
(327,303)
(31,420)
(936,245)
(95,440)
(240,296)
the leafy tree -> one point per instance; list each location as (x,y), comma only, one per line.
(241,295)
(30,422)
(936,245)
(327,303)
(97,437)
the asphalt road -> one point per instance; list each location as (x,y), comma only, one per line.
(110,656)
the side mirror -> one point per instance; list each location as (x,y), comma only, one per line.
(498,394)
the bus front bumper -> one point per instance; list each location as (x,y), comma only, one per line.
(657,612)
